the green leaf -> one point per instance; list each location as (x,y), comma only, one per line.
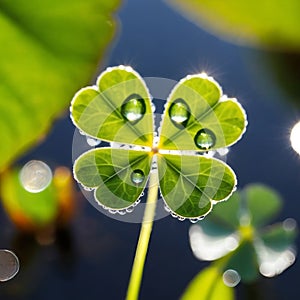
(275,24)
(52,47)
(279,236)
(37,209)
(197,117)
(190,184)
(244,261)
(208,285)
(275,248)
(118,175)
(227,212)
(118,109)
(263,203)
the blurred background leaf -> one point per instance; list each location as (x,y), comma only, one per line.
(49,49)
(264,23)
(208,285)
(37,212)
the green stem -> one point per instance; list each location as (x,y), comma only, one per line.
(145,233)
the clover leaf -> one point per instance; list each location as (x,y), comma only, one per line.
(197,119)
(238,241)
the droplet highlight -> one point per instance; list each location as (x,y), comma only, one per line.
(134,108)
(205,139)
(35,176)
(137,176)
(231,278)
(9,265)
(179,112)
(92,142)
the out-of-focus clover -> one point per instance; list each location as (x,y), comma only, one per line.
(235,237)
(41,212)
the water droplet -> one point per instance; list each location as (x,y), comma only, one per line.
(194,220)
(88,189)
(205,139)
(9,265)
(231,278)
(121,212)
(137,176)
(133,108)
(167,208)
(112,211)
(179,112)
(129,209)
(35,176)
(92,142)
(181,218)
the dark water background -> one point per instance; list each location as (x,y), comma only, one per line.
(94,260)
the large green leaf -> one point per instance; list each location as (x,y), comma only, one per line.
(208,285)
(49,49)
(263,203)
(117,175)
(274,24)
(190,185)
(119,109)
(197,117)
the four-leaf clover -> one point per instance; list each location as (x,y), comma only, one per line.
(197,119)
(234,236)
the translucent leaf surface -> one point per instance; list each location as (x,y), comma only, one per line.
(51,49)
(197,117)
(117,175)
(275,24)
(263,203)
(189,184)
(118,109)
(208,285)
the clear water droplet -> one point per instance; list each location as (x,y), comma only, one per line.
(121,212)
(181,218)
(112,211)
(205,139)
(92,142)
(137,176)
(35,176)
(231,278)
(174,215)
(179,112)
(9,265)
(194,220)
(133,108)
(129,209)
(87,188)
(167,208)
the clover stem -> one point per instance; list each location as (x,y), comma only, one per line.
(143,242)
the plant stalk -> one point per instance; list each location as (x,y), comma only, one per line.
(143,242)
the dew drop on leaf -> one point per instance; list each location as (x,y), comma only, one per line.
(133,109)
(35,176)
(179,112)
(205,139)
(92,142)
(137,176)
(9,265)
